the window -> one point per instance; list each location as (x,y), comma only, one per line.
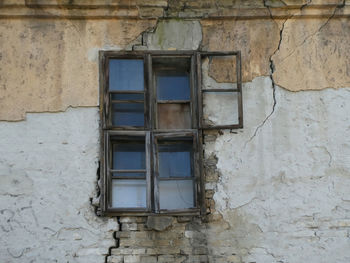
(152,124)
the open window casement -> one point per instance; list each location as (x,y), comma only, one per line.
(219,90)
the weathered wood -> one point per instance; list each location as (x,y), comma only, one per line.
(128,177)
(239,87)
(220,90)
(238,90)
(128,171)
(127,101)
(148,172)
(173,101)
(152,132)
(175,178)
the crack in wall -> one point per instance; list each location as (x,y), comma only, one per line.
(318,30)
(272,66)
(272,69)
(117,240)
(95,201)
(16,256)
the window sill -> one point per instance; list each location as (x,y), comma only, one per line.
(187,212)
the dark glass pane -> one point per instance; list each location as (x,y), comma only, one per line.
(173,86)
(126,74)
(127,114)
(130,96)
(128,156)
(130,174)
(174,116)
(176,194)
(128,193)
(174,160)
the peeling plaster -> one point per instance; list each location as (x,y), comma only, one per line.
(49,65)
(297,69)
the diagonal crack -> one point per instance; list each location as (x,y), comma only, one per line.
(335,10)
(273,86)
(272,66)
(318,30)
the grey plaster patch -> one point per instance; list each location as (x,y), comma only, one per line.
(175,34)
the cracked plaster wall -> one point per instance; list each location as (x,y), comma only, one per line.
(49,65)
(284,192)
(279,186)
(48,167)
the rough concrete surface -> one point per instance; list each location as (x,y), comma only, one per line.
(48,168)
(284,184)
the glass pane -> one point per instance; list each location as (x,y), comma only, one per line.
(173,86)
(126,74)
(177,194)
(174,160)
(174,116)
(128,193)
(127,114)
(129,156)
(220,108)
(128,96)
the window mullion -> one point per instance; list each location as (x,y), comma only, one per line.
(239,87)
(194,105)
(155,174)
(150,92)
(148,171)
(199,90)
(108,177)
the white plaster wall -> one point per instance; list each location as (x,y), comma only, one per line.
(284,188)
(48,166)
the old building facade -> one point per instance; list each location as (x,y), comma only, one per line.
(276,190)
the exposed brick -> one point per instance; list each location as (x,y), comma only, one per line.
(129,226)
(148,259)
(200,251)
(122,234)
(115,259)
(184,219)
(166,258)
(131,259)
(128,219)
(128,251)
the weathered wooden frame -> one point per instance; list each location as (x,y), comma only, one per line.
(176,136)
(150,131)
(238,90)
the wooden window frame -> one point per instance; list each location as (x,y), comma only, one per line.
(150,131)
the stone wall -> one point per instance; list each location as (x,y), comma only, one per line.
(276,190)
